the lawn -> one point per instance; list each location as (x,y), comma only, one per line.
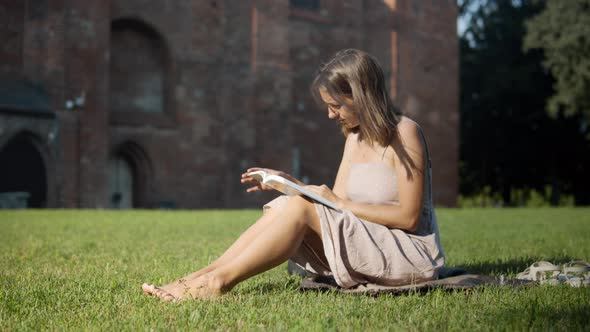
(74,270)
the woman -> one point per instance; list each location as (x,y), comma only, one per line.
(386,231)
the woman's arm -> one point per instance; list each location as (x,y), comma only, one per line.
(409,168)
(340,184)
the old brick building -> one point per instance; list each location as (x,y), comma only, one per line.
(164,103)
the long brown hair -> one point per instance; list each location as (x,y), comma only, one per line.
(357,75)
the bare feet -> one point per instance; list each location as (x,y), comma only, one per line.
(206,286)
(170,292)
(164,294)
(175,287)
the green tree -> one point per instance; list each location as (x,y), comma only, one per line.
(508,141)
(562,31)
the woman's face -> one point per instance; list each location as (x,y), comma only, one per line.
(340,112)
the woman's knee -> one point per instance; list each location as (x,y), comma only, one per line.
(301,204)
(293,207)
(303,210)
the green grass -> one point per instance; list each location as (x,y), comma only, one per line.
(74,270)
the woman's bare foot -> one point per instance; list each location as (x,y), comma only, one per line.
(164,294)
(175,287)
(208,286)
(169,292)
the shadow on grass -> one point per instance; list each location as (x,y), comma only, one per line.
(512,266)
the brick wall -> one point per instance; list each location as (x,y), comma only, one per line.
(226,67)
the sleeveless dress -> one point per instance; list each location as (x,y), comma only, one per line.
(359,251)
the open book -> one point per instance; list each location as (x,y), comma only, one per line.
(290,188)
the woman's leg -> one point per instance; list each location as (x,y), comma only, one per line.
(239,245)
(235,249)
(274,244)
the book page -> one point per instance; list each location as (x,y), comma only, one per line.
(290,188)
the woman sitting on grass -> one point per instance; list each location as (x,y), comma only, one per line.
(386,232)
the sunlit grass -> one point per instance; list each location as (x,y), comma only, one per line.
(73,270)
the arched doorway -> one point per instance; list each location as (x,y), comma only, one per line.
(130,175)
(22,170)
(121,179)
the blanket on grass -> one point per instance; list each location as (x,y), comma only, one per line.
(453,281)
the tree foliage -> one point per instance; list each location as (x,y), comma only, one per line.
(508,141)
(562,31)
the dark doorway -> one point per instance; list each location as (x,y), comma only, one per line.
(22,170)
(122,184)
(130,176)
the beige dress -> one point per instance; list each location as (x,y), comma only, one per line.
(359,251)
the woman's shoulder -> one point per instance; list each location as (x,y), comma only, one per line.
(410,143)
(408,129)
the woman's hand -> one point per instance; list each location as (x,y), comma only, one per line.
(257,185)
(328,194)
